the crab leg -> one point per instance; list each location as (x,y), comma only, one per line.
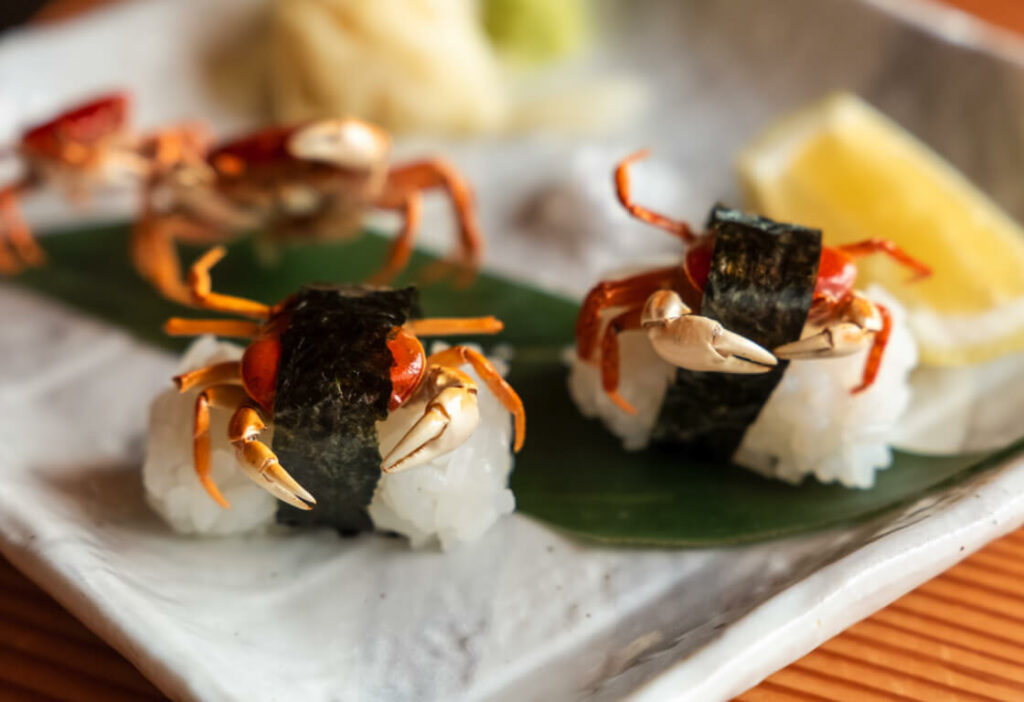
(630,319)
(202,295)
(217,374)
(460,355)
(178,326)
(8,264)
(401,248)
(622,188)
(153,238)
(698,343)
(848,331)
(450,326)
(182,143)
(437,173)
(870,246)
(18,236)
(615,293)
(877,349)
(156,258)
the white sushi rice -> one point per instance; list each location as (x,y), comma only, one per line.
(453,499)
(811,424)
(644,378)
(168,476)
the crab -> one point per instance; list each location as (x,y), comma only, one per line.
(306,181)
(434,385)
(660,302)
(86,148)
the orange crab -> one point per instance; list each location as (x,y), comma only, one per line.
(86,148)
(312,181)
(841,320)
(445,395)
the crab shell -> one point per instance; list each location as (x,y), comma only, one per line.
(71,137)
(339,144)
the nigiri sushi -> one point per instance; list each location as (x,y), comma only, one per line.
(338,375)
(696,355)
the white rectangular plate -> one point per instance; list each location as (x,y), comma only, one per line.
(525,613)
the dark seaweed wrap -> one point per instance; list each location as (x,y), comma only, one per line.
(760,286)
(333,385)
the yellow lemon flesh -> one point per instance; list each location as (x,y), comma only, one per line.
(845,168)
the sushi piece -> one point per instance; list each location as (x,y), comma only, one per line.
(653,369)
(451,499)
(338,374)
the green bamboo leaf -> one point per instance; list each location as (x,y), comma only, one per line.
(571,473)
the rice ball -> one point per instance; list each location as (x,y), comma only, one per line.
(453,499)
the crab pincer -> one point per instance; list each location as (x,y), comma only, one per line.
(450,414)
(697,343)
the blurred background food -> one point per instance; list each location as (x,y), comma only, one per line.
(536,30)
(407,65)
(440,67)
(452,67)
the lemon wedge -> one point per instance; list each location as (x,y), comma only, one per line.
(842,166)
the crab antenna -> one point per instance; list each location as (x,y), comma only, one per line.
(676,227)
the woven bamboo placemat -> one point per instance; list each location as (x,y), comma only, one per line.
(957,637)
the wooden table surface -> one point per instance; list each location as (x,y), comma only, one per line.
(957,637)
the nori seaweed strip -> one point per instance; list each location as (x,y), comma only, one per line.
(333,385)
(760,286)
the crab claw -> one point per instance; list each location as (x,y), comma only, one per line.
(698,343)
(863,319)
(449,418)
(260,465)
(837,340)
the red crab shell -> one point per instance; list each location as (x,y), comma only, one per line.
(82,126)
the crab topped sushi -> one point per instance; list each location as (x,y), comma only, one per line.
(697,355)
(339,374)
